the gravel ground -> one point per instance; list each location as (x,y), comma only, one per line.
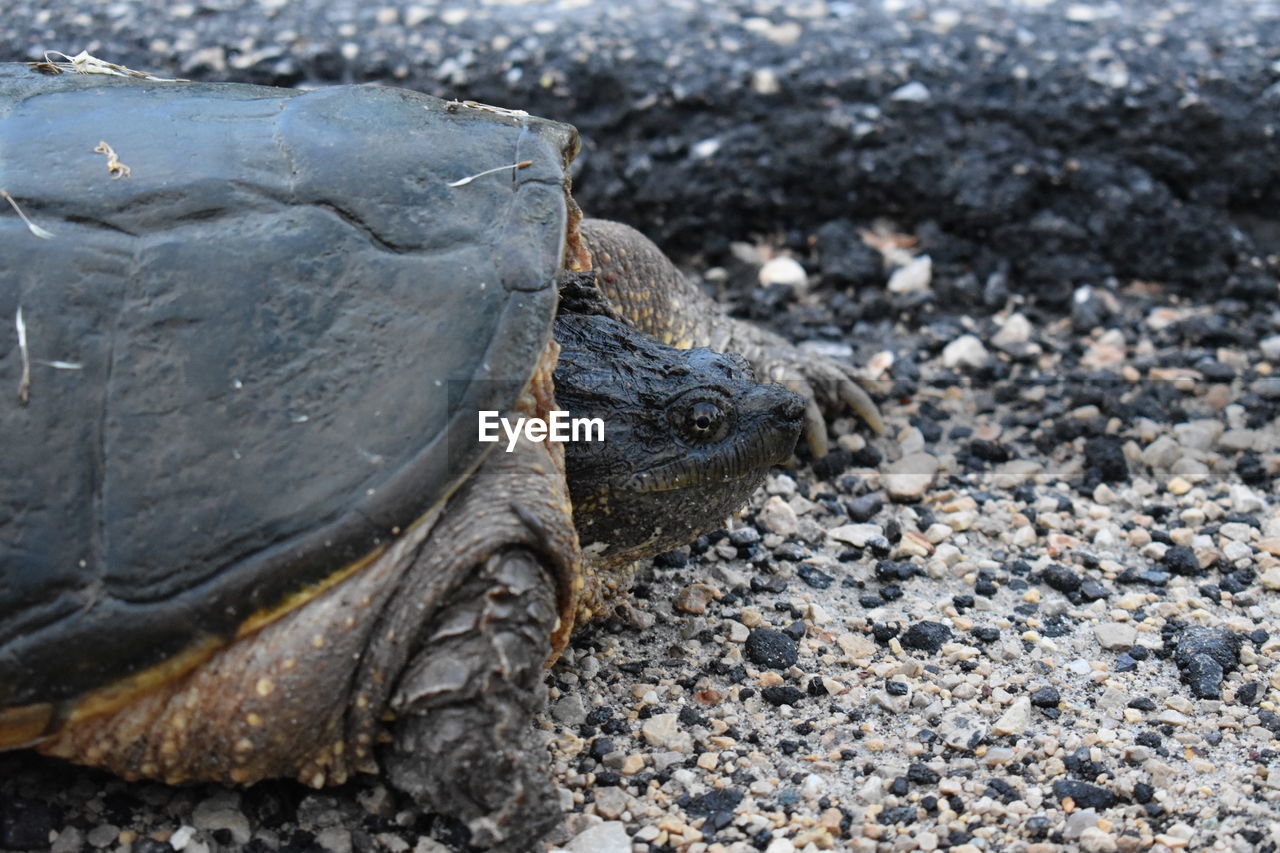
(1043,612)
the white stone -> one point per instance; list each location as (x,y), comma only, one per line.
(813,786)
(608,837)
(914,92)
(1234,551)
(784,34)
(1245,499)
(915,277)
(964,351)
(335,839)
(1161,453)
(857,535)
(1015,332)
(705,149)
(1198,435)
(222,812)
(778,516)
(1116,636)
(1238,531)
(182,837)
(910,477)
(784,270)
(764,81)
(664,730)
(1015,720)
(611,802)
(1270,349)
(872,790)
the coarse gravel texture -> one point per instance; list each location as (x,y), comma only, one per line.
(1041,613)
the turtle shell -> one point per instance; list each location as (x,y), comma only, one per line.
(252,360)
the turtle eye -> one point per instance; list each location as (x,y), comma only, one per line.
(702,421)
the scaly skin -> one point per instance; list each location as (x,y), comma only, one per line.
(647,290)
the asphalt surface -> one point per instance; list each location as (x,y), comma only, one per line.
(1052,143)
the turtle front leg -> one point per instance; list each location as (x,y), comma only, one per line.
(652,295)
(464,742)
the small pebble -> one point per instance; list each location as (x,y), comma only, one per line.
(915,277)
(769,648)
(910,477)
(785,271)
(608,837)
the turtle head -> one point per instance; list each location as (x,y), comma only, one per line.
(688,436)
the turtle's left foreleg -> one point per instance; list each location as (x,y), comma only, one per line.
(652,295)
(464,742)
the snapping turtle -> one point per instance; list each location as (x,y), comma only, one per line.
(247,526)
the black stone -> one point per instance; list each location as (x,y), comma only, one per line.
(1038,826)
(986,634)
(926,635)
(1204,675)
(790,551)
(1046,697)
(677,559)
(721,800)
(1222,645)
(1061,578)
(796,630)
(691,717)
(1181,560)
(770,648)
(1084,794)
(863,509)
(833,464)
(988,451)
(783,694)
(884,633)
(1203,656)
(814,577)
(922,774)
(845,258)
(1092,590)
(1104,458)
(986,588)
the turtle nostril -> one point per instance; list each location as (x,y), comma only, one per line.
(790,407)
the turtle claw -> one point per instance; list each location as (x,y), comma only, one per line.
(862,405)
(815,425)
(825,384)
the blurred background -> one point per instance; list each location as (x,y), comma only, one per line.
(1028,146)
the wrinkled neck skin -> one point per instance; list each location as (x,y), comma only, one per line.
(688,437)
